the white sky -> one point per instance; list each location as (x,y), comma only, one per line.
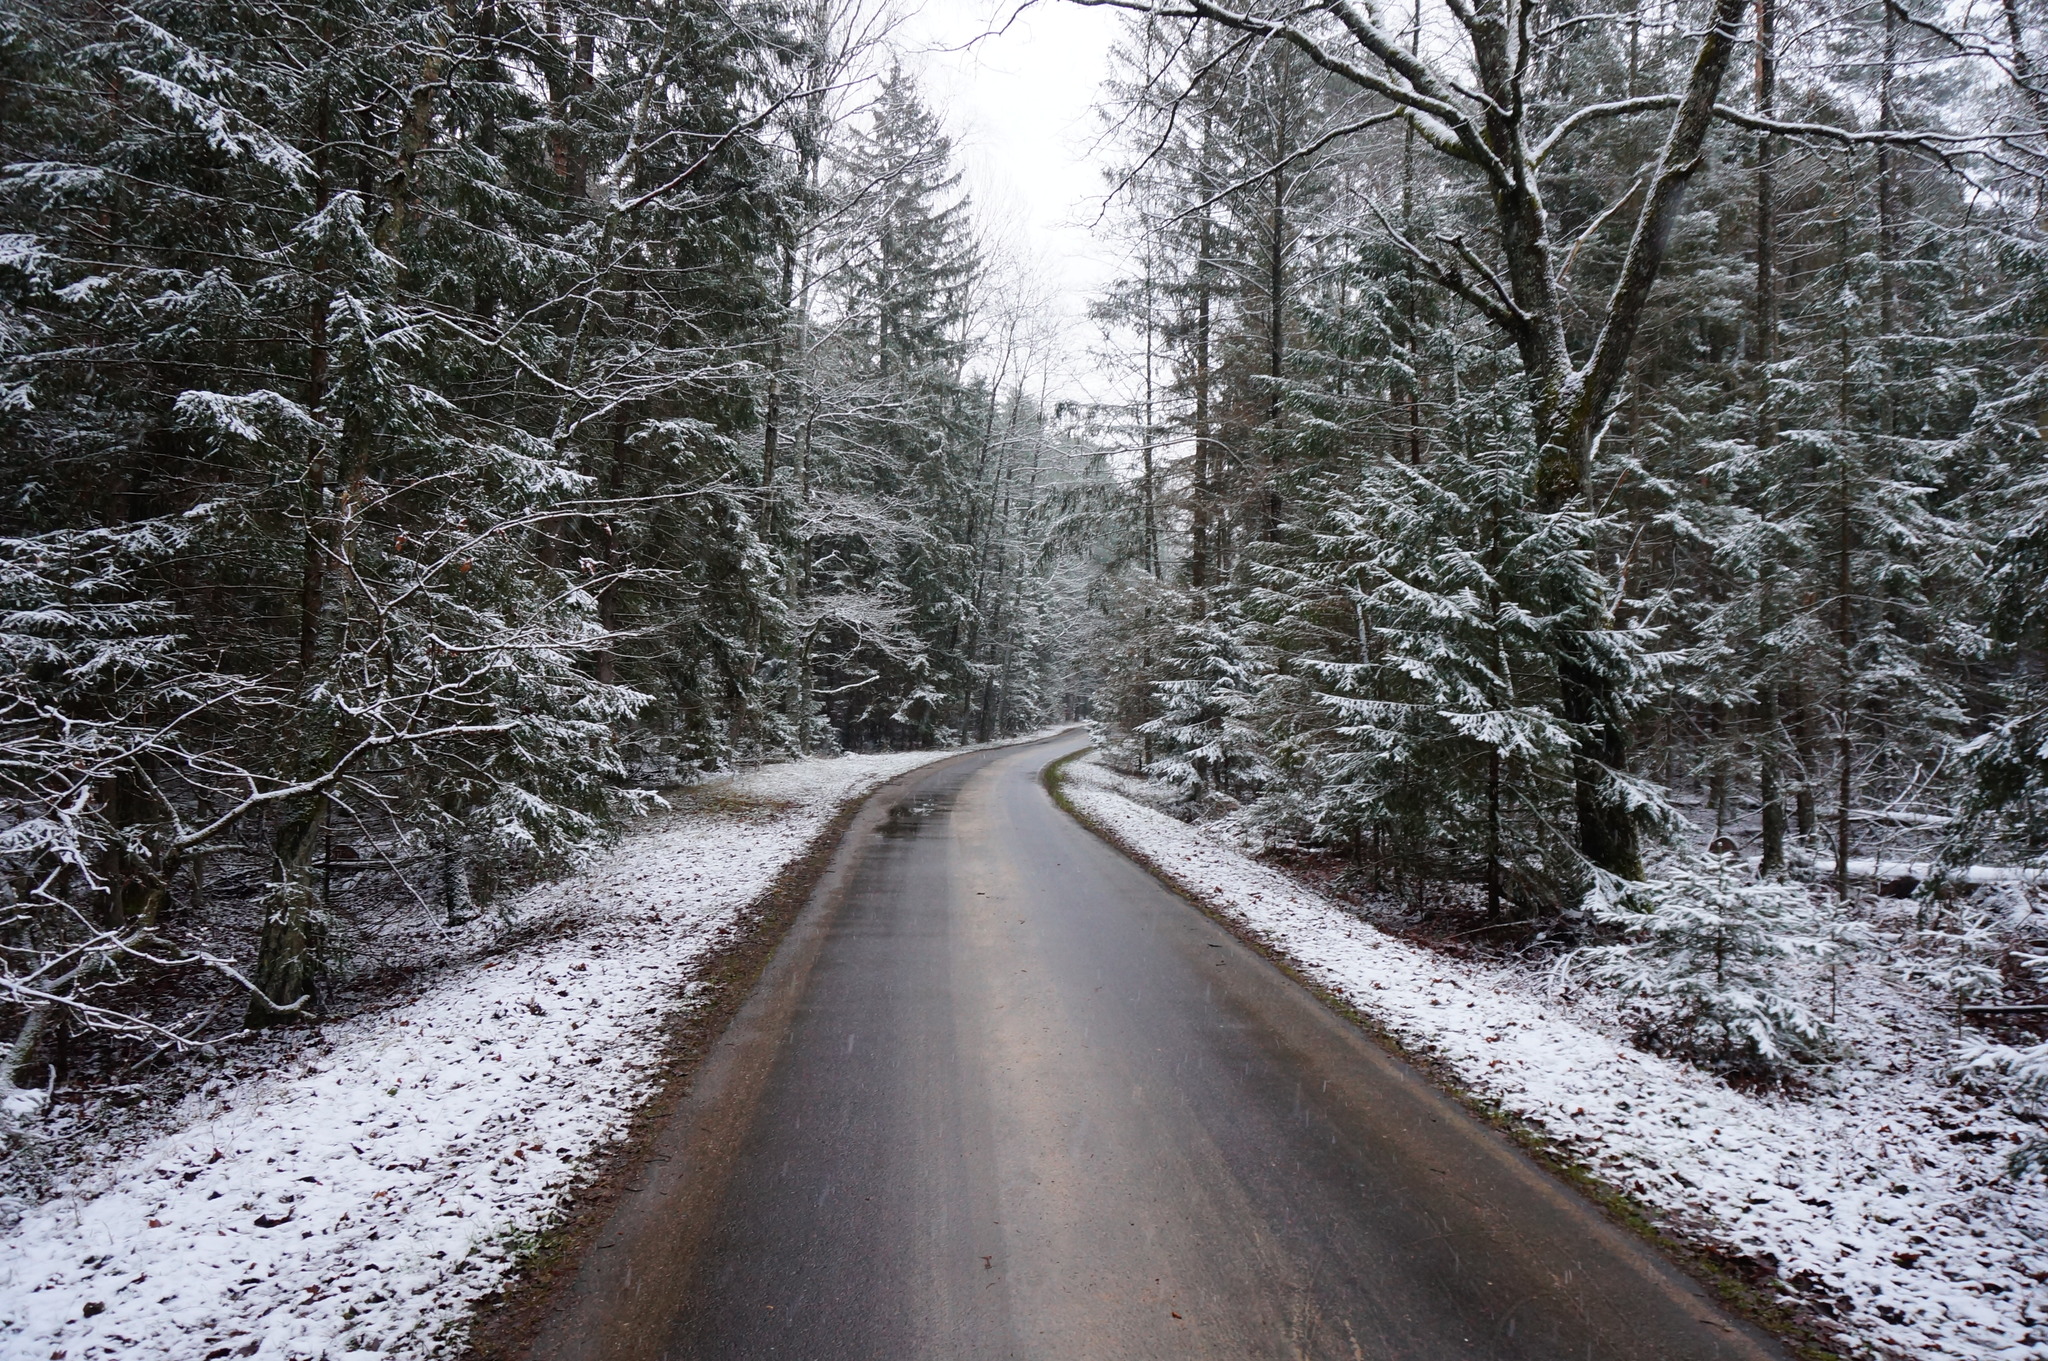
(1020,107)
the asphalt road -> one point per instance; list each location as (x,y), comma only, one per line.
(1000,1094)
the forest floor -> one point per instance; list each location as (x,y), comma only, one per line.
(361,1187)
(1874,1196)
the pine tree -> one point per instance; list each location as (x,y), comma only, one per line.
(910,421)
(1206,734)
(332,344)
(1701,954)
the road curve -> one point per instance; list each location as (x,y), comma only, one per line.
(1000,1094)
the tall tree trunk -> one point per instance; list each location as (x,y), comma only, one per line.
(1717,769)
(1887,228)
(1201,566)
(1845,619)
(1276,311)
(1805,804)
(605,531)
(1845,642)
(1411,302)
(134,889)
(1772,857)
(289,940)
(1492,832)
(778,361)
(1769,739)
(1149,436)
(1608,836)
(2031,90)
(1573,403)
(288,971)
(312,582)
(415,131)
(457,904)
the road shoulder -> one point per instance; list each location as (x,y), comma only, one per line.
(402,1175)
(1660,1148)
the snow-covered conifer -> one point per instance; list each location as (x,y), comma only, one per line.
(1206,736)
(1702,954)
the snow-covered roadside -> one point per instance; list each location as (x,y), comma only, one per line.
(363,1196)
(1881,1198)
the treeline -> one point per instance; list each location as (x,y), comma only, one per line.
(423,426)
(1560,435)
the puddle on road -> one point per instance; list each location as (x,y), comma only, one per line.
(910,817)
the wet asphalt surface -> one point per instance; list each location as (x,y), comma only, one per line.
(1000,1094)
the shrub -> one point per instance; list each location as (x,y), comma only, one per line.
(1700,952)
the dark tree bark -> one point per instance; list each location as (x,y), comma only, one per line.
(1201,564)
(288,972)
(1769,735)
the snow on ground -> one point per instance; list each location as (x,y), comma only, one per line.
(1881,1195)
(362,1196)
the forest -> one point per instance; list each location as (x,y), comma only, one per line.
(428,430)
(576,581)
(1570,439)
(1548,441)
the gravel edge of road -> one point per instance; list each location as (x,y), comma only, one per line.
(1746,1294)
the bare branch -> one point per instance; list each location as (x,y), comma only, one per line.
(1620,108)
(1335,134)
(1922,138)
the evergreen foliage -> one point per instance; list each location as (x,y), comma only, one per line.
(1211,747)
(429,428)
(1611,437)
(1701,951)
(1783,592)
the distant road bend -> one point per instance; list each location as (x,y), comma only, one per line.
(1001,1095)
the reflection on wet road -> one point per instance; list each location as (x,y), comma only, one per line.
(1003,1095)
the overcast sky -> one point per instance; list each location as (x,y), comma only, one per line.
(1019,105)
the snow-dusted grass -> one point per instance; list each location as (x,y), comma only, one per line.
(1880,1194)
(362,1196)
